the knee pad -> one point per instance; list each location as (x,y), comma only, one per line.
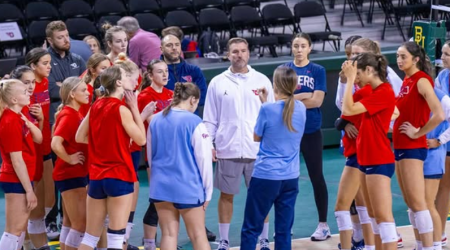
(74,238)
(363,215)
(151,216)
(63,235)
(115,238)
(388,232)
(424,222)
(128,231)
(36,226)
(9,241)
(343,220)
(374,224)
(412,218)
(90,240)
(21,240)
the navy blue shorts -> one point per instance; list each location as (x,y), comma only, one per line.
(179,205)
(433,176)
(47,157)
(352,161)
(448,153)
(136,157)
(415,153)
(73,183)
(13,187)
(382,169)
(101,189)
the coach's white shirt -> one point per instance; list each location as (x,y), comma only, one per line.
(231,109)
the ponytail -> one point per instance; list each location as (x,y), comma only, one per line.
(285,82)
(424,63)
(378,62)
(146,82)
(182,92)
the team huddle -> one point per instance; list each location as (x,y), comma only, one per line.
(251,127)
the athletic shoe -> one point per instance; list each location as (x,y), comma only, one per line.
(322,233)
(353,247)
(52,231)
(264,244)
(131,247)
(358,245)
(444,239)
(400,241)
(210,235)
(223,245)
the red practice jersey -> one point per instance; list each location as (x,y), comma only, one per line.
(372,144)
(66,126)
(39,170)
(15,137)
(413,109)
(41,96)
(84,109)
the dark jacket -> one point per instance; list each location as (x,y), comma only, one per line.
(62,68)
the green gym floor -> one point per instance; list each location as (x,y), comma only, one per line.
(305,218)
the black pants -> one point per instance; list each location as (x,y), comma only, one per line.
(311,148)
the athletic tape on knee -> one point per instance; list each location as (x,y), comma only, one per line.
(363,215)
(74,238)
(115,239)
(9,241)
(128,231)
(374,224)
(344,221)
(412,218)
(21,240)
(388,232)
(90,240)
(424,223)
(36,226)
(63,235)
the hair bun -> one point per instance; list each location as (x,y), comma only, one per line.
(106,26)
(122,56)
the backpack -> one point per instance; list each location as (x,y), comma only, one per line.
(209,42)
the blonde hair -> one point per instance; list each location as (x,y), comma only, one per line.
(182,92)
(67,86)
(368,45)
(110,30)
(6,92)
(108,79)
(126,64)
(92,63)
(285,82)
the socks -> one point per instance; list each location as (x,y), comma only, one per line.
(27,245)
(437,245)
(224,228)
(357,232)
(149,244)
(265,231)
(367,247)
(419,245)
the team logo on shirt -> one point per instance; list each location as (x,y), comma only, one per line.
(306,81)
(225,93)
(162,104)
(43,97)
(255,91)
(205,136)
(187,78)
(74,66)
(403,91)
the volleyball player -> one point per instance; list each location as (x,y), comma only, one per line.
(111,124)
(96,64)
(18,166)
(39,60)
(414,102)
(274,182)
(153,91)
(442,82)
(190,159)
(312,79)
(71,168)
(376,162)
(116,40)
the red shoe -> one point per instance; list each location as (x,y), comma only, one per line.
(444,239)
(400,241)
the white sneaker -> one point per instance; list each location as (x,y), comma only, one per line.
(322,232)
(223,245)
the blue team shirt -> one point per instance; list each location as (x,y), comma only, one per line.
(278,156)
(310,78)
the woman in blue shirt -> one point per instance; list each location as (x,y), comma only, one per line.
(279,128)
(311,89)
(179,150)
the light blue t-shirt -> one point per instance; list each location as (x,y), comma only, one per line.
(278,156)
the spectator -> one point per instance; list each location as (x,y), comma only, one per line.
(81,48)
(179,69)
(93,43)
(187,45)
(144,45)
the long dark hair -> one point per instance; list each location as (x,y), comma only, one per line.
(415,50)
(378,62)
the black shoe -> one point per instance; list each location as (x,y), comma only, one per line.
(210,235)
(131,247)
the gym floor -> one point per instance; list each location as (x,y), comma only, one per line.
(305,218)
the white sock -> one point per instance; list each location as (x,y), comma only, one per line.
(47,210)
(265,231)
(102,248)
(427,248)
(367,247)
(418,245)
(323,224)
(27,245)
(224,228)
(357,232)
(437,245)
(149,243)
